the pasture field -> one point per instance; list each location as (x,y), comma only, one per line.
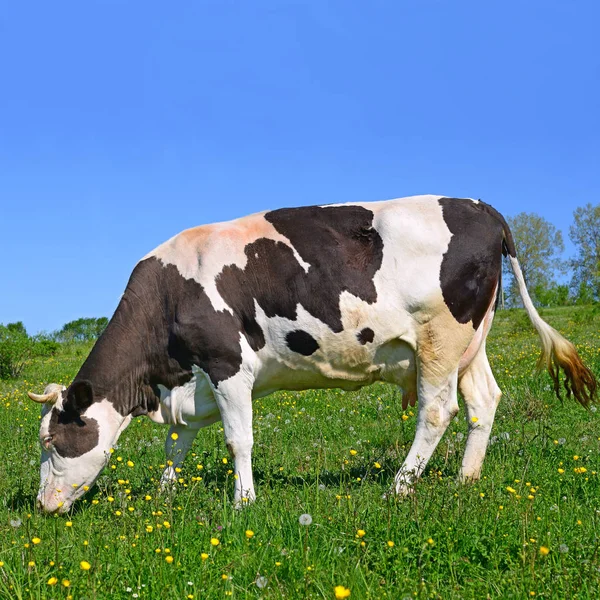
(529,528)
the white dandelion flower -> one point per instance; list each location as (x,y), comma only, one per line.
(305,519)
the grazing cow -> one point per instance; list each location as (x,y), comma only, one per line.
(402,291)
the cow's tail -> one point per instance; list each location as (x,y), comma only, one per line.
(557,352)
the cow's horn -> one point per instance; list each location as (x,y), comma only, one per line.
(50,395)
(43,398)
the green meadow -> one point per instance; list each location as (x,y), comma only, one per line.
(529,528)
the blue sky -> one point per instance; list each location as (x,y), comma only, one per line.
(124,123)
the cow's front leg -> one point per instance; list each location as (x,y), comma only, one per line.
(178,442)
(234,399)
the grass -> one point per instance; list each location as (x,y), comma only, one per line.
(331,455)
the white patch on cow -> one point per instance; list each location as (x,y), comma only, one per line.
(63,480)
(415,238)
(202,252)
(192,403)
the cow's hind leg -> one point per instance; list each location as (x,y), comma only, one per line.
(437,407)
(481,394)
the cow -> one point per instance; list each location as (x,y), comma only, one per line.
(335,296)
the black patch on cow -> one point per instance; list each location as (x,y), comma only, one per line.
(163,325)
(472,264)
(72,434)
(365,335)
(301,342)
(343,252)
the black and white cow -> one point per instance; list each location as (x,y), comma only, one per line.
(402,291)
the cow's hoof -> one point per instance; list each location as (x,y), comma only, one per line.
(242,503)
(399,492)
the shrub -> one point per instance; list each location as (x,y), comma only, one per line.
(16,348)
(44,347)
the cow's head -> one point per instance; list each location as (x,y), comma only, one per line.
(76,434)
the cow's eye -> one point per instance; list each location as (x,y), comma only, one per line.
(47,441)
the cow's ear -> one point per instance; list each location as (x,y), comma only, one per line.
(80,396)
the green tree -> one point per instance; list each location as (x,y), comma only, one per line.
(82,330)
(539,247)
(17,327)
(585,235)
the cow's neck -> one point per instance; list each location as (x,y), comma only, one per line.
(130,359)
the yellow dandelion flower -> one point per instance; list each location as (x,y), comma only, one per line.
(430,541)
(204,556)
(149,528)
(85,565)
(361,533)
(52,581)
(224,577)
(166,525)
(31,563)
(341,592)
(561,471)
(174,436)
(474,419)
(377,465)
(66,583)
(36,540)
(544,551)
(130,463)
(224,460)
(353,452)
(511,490)
(69,524)
(169,559)
(249,533)
(214,541)
(405,417)
(391,544)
